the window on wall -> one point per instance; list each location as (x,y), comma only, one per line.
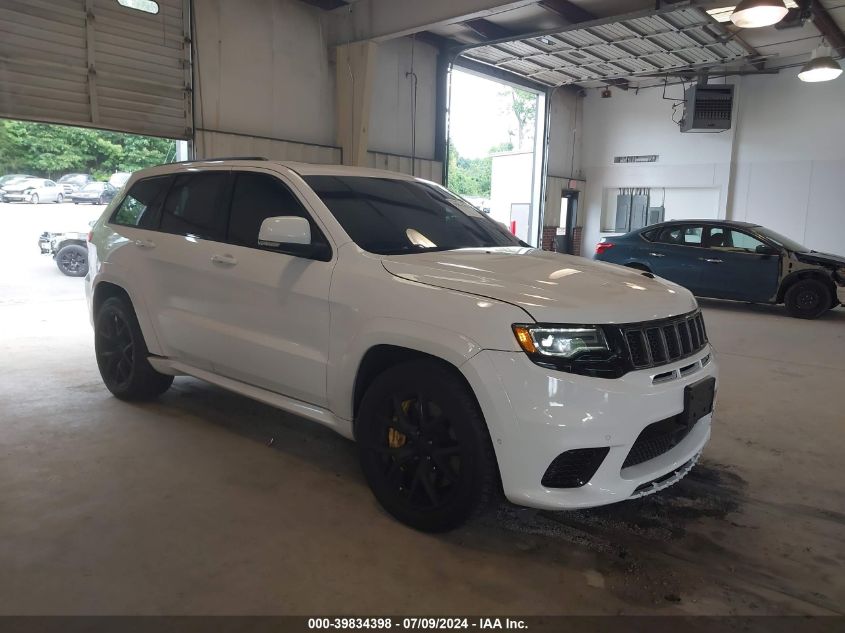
(147,6)
(633,210)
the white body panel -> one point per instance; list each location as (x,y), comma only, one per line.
(293,332)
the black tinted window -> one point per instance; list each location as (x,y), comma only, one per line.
(258,197)
(388,216)
(142,205)
(195,205)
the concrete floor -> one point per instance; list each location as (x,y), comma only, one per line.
(183,506)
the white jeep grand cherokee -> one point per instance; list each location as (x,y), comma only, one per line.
(459,359)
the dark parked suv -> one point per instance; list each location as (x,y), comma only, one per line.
(733,260)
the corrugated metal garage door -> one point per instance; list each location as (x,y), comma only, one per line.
(97,63)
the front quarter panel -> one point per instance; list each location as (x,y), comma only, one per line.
(371,307)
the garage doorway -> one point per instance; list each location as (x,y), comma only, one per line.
(495,160)
(54,181)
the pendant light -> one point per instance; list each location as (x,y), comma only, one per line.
(821,67)
(752,14)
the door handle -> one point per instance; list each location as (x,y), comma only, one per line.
(712,261)
(145,244)
(657,254)
(225,260)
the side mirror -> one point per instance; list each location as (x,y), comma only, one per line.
(284,229)
(765,249)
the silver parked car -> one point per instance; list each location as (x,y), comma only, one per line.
(71,183)
(33,190)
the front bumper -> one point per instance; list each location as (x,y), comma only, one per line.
(534,414)
(16,197)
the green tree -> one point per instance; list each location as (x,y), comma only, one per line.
(52,150)
(523,105)
(469,176)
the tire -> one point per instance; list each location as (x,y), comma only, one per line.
(641,267)
(437,469)
(807,299)
(72,260)
(122,353)
(33,199)
(59,199)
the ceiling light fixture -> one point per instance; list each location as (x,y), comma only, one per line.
(606,94)
(821,67)
(752,14)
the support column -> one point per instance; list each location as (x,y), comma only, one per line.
(356,67)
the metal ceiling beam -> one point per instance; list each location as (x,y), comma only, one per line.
(489,30)
(568,11)
(381,20)
(825,24)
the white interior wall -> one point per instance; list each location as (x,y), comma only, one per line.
(789,171)
(391,116)
(262,69)
(693,168)
(782,164)
(266,86)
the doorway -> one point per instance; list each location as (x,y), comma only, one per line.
(495,149)
(566,224)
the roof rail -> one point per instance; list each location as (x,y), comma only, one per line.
(213,158)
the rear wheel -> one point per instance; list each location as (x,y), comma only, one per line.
(59,199)
(72,260)
(122,353)
(808,299)
(424,447)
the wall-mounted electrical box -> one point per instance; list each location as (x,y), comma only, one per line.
(708,108)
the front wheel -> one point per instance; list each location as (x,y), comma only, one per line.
(808,299)
(424,447)
(72,260)
(122,353)
(34,198)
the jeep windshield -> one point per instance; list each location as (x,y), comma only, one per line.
(388,216)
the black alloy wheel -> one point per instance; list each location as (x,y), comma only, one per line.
(115,349)
(72,260)
(808,299)
(424,447)
(122,353)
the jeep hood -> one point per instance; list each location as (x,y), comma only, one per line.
(551,287)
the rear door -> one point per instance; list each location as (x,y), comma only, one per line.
(675,254)
(732,267)
(177,271)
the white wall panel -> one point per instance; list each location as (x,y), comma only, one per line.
(211,144)
(263,69)
(790,158)
(392,108)
(420,167)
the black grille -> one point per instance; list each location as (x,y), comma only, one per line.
(574,468)
(656,439)
(660,342)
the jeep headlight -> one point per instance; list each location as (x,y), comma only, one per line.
(560,341)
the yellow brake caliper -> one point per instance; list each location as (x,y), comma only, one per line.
(395,439)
